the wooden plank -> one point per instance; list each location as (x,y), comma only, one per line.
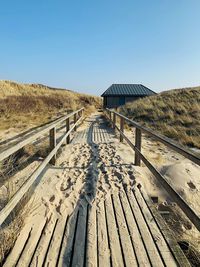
(138,141)
(169,237)
(31,246)
(91,251)
(56,243)
(18,248)
(162,246)
(68,241)
(137,241)
(75,119)
(42,248)
(116,252)
(52,142)
(67,129)
(121,128)
(78,257)
(127,248)
(102,238)
(114,120)
(146,236)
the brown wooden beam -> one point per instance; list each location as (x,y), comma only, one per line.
(138,141)
(52,143)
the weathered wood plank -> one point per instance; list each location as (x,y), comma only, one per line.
(78,256)
(121,129)
(148,240)
(52,144)
(56,243)
(128,251)
(169,237)
(102,238)
(138,141)
(29,250)
(116,252)
(67,129)
(18,249)
(156,234)
(39,256)
(91,252)
(68,241)
(137,241)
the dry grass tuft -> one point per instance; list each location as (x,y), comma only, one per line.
(23,106)
(174,113)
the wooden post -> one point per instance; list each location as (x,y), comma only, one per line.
(138,140)
(110,116)
(114,120)
(75,121)
(52,143)
(67,130)
(121,128)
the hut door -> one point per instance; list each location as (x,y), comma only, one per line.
(122,100)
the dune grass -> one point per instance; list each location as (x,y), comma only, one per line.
(23,106)
(174,113)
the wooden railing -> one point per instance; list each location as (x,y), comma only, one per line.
(112,117)
(29,138)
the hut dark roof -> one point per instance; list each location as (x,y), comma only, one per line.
(128,90)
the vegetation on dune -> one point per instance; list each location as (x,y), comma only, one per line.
(174,113)
(38,103)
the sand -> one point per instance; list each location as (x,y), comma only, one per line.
(95,165)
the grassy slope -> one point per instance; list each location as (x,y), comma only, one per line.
(25,105)
(174,113)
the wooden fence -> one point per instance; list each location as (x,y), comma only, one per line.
(112,117)
(51,158)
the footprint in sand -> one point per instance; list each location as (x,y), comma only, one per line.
(191,185)
(52,198)
(118,175)
(58,208)
(131,175)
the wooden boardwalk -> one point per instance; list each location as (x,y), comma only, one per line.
(120,229)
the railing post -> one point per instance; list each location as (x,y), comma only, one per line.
(114,120)
(138,140)
(67,130)
(110,116)
(52,143)
(75,121)
(121,128)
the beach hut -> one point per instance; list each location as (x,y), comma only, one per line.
(119,94)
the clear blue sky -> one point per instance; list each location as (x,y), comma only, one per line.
(86,45)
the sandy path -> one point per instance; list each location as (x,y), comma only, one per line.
(89,171)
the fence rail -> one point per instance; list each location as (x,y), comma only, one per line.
(54,146)
(112,117)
